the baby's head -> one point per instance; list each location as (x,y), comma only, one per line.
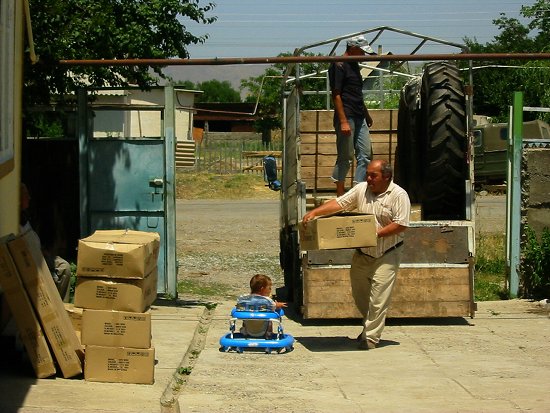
(261,284)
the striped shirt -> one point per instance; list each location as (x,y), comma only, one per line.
(392,205)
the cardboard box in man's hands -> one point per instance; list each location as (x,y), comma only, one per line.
(338,232)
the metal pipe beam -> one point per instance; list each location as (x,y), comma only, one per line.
(304,59)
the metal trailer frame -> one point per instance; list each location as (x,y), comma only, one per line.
(293,193)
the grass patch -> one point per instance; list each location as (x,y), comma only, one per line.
(490,268)
(204,185)
(203,289)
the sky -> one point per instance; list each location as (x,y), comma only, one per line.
(263,28)
(254,28)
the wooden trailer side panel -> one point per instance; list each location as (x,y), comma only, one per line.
(419,292)
(318,145)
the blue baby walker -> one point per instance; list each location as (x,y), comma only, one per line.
(256,308)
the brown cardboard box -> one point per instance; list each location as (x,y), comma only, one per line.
(118,254)
(75,315)
(116,294)
(47,303)
(416,212)
(120,365)
(116,328)
(338,231)
(28,325)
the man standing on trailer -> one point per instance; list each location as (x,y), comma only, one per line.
(351,117)
(374,269)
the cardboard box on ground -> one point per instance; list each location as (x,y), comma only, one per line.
(349,230)
(118,254)
(116,328)
(118,346)
(40,290)
(120,364)
(29,327)
(116,283)
(116,293)
(75,315)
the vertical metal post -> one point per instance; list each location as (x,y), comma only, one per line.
(82,131)
(513,194)
(381,81)
(329,93)
(169,190)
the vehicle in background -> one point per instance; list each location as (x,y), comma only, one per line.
(491,147)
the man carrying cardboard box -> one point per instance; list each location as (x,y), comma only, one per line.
(374,269)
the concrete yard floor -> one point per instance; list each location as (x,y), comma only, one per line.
(495,362)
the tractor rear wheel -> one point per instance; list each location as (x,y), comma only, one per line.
(444,152)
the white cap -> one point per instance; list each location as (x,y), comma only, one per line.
(361,42)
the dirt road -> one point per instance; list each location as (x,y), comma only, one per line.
(224,243)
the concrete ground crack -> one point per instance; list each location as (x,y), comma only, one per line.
(169,399)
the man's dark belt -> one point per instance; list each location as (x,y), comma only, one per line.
(400,243)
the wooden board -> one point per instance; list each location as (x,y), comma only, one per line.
(419,310)
(317,160)
(419,292)
(312,120)
(434,244)
(444,244)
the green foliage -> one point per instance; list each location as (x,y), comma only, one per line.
(265,90)
(493,87)
(44,125)
(216,91)
(268,90)
(72,283)
(392,85)
(490,268)
(213,91)
(186,84)
(104,29)
(535,264)
(184,371)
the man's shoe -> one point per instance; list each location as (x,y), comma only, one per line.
(367,345)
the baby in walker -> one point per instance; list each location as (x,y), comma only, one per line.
(258,300)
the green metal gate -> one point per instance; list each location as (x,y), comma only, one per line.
(127,170)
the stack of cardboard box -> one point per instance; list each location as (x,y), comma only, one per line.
(116,283)
(37,307)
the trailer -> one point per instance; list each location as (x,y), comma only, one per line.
(429,143)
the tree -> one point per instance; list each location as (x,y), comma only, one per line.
(104,29)
(493,87)
(213,91)
(268,90)
(186,84)
(216,91)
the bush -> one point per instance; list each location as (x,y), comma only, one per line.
(535,264)
(490,268)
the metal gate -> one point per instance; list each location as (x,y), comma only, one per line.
(127,170)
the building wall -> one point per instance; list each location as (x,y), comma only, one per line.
(9,182)
(10,176)
(536,189)
(143,123)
